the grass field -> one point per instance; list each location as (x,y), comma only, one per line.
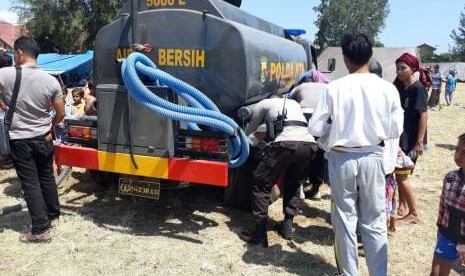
(189,232)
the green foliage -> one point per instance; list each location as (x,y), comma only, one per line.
(66,25)
(446,57)
(459,37)
(337,17)
(378,44)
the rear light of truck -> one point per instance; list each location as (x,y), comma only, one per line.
(82,132)
(201,145)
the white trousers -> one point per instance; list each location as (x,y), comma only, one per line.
(358,194)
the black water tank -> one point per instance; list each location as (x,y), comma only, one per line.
(231,63)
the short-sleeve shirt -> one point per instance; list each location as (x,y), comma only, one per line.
(414,101)
(451,216)
(451,83)
(267,110)
(78,110)
(437,80)
(38,89)
(310,93)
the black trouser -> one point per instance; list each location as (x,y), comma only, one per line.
(434,98)
(287,159)
(318,169)
(33,161)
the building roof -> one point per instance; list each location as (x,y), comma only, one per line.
(427,46)
(386,56)
(9,32)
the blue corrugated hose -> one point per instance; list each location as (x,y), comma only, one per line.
(201,110)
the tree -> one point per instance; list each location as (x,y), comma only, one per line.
(66,25)
(378,44)
(459,38)
(446,57)
(337,17)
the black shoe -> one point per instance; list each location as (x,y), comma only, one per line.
(256,237)
(284,229)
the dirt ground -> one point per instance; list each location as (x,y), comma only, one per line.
(189,232)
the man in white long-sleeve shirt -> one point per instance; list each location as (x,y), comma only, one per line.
(288,156)
(364,110)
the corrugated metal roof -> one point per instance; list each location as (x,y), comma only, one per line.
(10,32)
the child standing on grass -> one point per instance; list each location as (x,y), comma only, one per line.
(451,219)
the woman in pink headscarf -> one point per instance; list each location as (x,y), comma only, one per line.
(414,98)
(319,77)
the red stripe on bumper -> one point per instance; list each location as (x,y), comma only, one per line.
(198,171)
(76,157)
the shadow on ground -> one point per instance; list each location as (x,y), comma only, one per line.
(446,146)
(13,187)
(293,261)
(296,262)
(312,212)
(17,221)
(176,215)
(179,214)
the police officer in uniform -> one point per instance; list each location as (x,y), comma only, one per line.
(285,159)
(308,93)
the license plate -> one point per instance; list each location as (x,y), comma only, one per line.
(140,188)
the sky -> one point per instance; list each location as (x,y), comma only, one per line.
(410,22)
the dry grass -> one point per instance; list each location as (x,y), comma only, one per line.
(188,232)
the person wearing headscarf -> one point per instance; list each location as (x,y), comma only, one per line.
(451,83)
(414,98)
(319,77)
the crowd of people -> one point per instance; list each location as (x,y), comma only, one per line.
(367,132)
(434,90)
(372,133)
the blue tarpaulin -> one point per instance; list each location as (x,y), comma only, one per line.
(57,64)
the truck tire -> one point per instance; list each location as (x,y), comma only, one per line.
(238,194)
(105,179)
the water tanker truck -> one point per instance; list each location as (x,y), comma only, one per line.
(148,66)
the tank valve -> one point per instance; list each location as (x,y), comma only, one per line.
(142,48)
